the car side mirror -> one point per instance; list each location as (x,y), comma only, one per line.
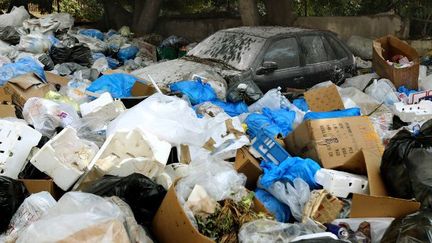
(267,67)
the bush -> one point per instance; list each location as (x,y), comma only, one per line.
(88,10)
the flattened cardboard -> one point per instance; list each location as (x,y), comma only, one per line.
(324,99)
(364,206)
(248,165)
(7,111)
(332,142)
(24,87)
(171,224)
(56,79)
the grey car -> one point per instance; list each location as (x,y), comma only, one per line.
(269,56)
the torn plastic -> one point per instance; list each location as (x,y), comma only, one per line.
(46,115)
(31,210)
(16,142)
(76,217)
(264,230)
(139,192)
(12,194)
(35,43)
(65,158)
(125,153)
(15,18)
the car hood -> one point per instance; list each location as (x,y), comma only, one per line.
(172,71)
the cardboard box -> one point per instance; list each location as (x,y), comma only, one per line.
(365,206)
(171,224)
(324,99)
(332,142)
(248,165)
(24,87)
(35,186)
(56,79)
(384,49)
(6,107)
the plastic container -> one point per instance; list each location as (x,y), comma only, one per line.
(341,184)
(411,113)
(16,142)
(269,148)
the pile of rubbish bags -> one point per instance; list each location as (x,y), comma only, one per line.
(89,152)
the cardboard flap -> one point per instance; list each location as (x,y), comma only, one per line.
(324,99)
(56,79)
(7,111)
(5,97)
(142,90)
(364,206)
(356,164)
(26,81)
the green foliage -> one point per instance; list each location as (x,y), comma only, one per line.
(83,10)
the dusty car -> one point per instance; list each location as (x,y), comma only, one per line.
(269,56)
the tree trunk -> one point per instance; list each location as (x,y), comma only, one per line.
(146,13)
(115,15)
(249,12)
(279,12)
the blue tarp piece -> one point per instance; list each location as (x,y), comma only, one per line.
(288,170)
(197,91)
(92,33)
(119,85)
(281,211)
(332,114)
(20,67)
(127,53)
(301,104)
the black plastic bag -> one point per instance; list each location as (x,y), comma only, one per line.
(12,194)
(47,62)
(174,42)
(60,53)
(31,172)
(141,193)
(406,166)
(416,227)
(81,54)
(10,35)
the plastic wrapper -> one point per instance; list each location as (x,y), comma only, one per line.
(32,209)
(35,43)
(46,115)
(139,192)
(77,217)
(15,18)
(416,227)
(12,194)
(295,197)
(271,231)
(405,169)
(10,35)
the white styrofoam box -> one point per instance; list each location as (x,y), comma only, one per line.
(65,158)
(341,184)
(16,142)
(411,113)
(104,106)
(128,152)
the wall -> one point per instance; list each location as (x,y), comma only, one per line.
(366,26)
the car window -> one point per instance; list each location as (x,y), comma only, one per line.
(314,50)
(337,48)
(284,52)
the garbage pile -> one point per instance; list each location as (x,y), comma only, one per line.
(88,153)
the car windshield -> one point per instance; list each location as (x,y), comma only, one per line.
(234,49)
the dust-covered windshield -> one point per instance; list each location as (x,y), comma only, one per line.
(235,49)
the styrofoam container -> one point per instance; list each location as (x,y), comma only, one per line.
(65,158)
(412,113)
(104,106)
(16,142)
(341,184)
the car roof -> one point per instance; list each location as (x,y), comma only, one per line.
(267,31)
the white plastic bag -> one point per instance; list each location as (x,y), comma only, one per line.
(169,118)
(101,64)
(78,217)
(35,43)
(360,82)
(8,51)
(31,210)
(383,91)
(15,18)
(94,44)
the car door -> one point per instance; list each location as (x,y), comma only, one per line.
(286,53)
(318,57)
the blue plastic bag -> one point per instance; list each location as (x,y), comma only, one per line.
(119,85)
(20,67)
(113,63)
(406,91)
(288,170)
(301,104)
(284,119)
(127,53)
(54,40)
(279,210)
(259,122)
(92,33)
(197,91)
(232,109)
(97,55)
(332,114)
(111,33)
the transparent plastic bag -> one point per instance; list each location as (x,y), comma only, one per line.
(383,91)
(264,230)
(94,44)
(78,217)
(35,43)
(101,64)
(295,196)
(32,209)
(8,51)
(273,100)
(15,18)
